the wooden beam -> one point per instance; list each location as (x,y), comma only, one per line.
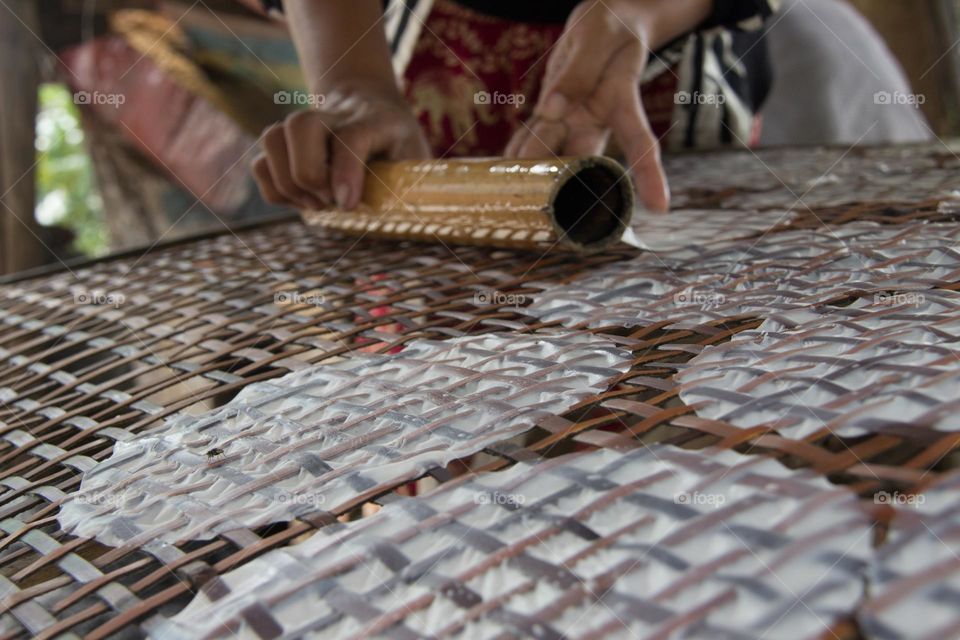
(923,36)
(20,51)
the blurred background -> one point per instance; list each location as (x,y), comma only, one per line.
(128,123)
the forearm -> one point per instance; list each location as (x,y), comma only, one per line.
(340,42)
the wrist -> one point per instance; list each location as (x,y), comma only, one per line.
(340,44)
(646,24)
(641,18)
(659,22)
(350,82)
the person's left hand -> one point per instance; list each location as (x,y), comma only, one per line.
(591,90)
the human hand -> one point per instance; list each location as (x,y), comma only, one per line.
(319,156)
(591,89)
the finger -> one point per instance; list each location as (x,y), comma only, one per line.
(351,148)
(545,139)
(516,141)
(261,174)
(640,146)
(577,64)
(411,147)
(306,136)
(617,102)
(585,140)
(275,145)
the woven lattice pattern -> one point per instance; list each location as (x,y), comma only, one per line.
(324,435)
(887,364)
(698,544)
(756,277)
(685,232)
(915,578)
(815,178)
(101,354)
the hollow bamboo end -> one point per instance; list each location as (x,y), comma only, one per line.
(592,204)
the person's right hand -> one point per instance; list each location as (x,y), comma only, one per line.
(317,157)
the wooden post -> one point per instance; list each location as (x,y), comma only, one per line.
(923,36)
(20,246)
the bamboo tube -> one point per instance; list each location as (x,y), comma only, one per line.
(580,204)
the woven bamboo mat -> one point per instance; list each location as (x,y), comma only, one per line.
(96,357)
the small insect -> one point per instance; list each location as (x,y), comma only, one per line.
(214,454)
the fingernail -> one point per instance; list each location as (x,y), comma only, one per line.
(554,107)
(325,197)
(342,193)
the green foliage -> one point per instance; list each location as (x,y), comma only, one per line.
(67,194)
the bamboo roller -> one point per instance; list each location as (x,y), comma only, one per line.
(581,204)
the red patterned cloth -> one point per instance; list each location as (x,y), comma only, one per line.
(473,79)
